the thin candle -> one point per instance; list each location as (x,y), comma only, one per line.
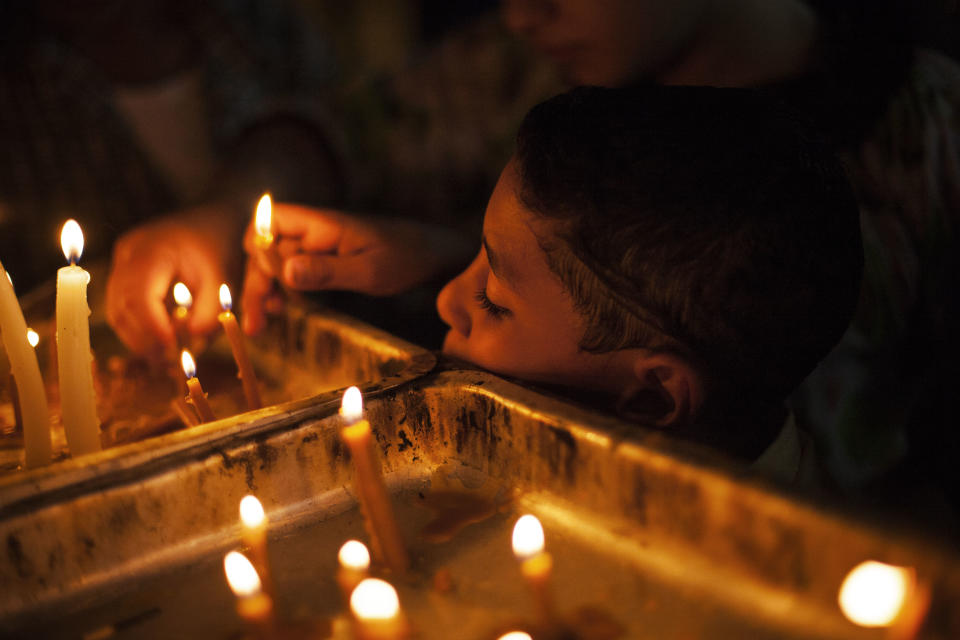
(197,396)
(181,313)
(254,535)
(378,514)
(74,358)
(376,610)
(536,565)
(251,390)
(354,566)
(253,605)
(30,393)
(264,238)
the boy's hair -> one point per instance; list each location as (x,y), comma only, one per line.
(712,222)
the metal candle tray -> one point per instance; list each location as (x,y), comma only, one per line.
(650,538)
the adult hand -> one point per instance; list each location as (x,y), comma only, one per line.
(190,247)
(324,249)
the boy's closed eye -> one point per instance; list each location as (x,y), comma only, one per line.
(493,310)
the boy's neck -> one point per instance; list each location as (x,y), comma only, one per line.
(746,43)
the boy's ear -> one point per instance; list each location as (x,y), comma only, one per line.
(666,390)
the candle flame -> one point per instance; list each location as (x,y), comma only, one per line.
(33,337)
(263,221)
(528,538)
(374,599)
(226,300)
(516,635)
(182,295)
(874,593)
(354,555)
(189,366)
(351,407)
(71,241)
(241,576)
(251,512)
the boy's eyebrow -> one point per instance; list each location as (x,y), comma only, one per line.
(496,265)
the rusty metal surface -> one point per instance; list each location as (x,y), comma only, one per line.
(310,354)
(669,541)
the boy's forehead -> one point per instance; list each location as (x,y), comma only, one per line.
(512,249)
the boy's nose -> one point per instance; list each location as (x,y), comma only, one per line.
(451,309)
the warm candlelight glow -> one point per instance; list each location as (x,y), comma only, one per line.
(263,220)
(71,241)
(528,538)
(354,555)
(241,575)
(33,337)
(182,295)
(375,599)
(873,593)
(9,279)
(516,635)
(189,366)
(251,512)
(226,300)
(351,407)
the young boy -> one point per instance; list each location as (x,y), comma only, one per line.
(692,253)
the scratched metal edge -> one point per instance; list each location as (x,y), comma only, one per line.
(72,477)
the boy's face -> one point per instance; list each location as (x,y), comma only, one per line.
(510,314)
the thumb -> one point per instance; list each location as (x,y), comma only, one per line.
(313,271)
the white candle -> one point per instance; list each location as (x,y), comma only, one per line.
(74,359)
(26,371)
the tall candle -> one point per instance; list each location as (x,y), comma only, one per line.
(254,535)
(197,396)
(74,360)
(248,378)
(26,371)
(536,564)
(381,524)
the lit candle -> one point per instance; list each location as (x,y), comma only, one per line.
(516,635)
(371,491)
(78,406)
(254,536)
(876,594)
(245,371)
(197,396)
(354,566)
(33,338)
(536,565)
(264,240)
(253,605)
(30,394)
(376,609)
(184,300)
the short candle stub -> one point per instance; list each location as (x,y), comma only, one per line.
(875,593)
(71,241)
(354,555)
(528,538)
(241,576)
(189,366)
(375,599)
